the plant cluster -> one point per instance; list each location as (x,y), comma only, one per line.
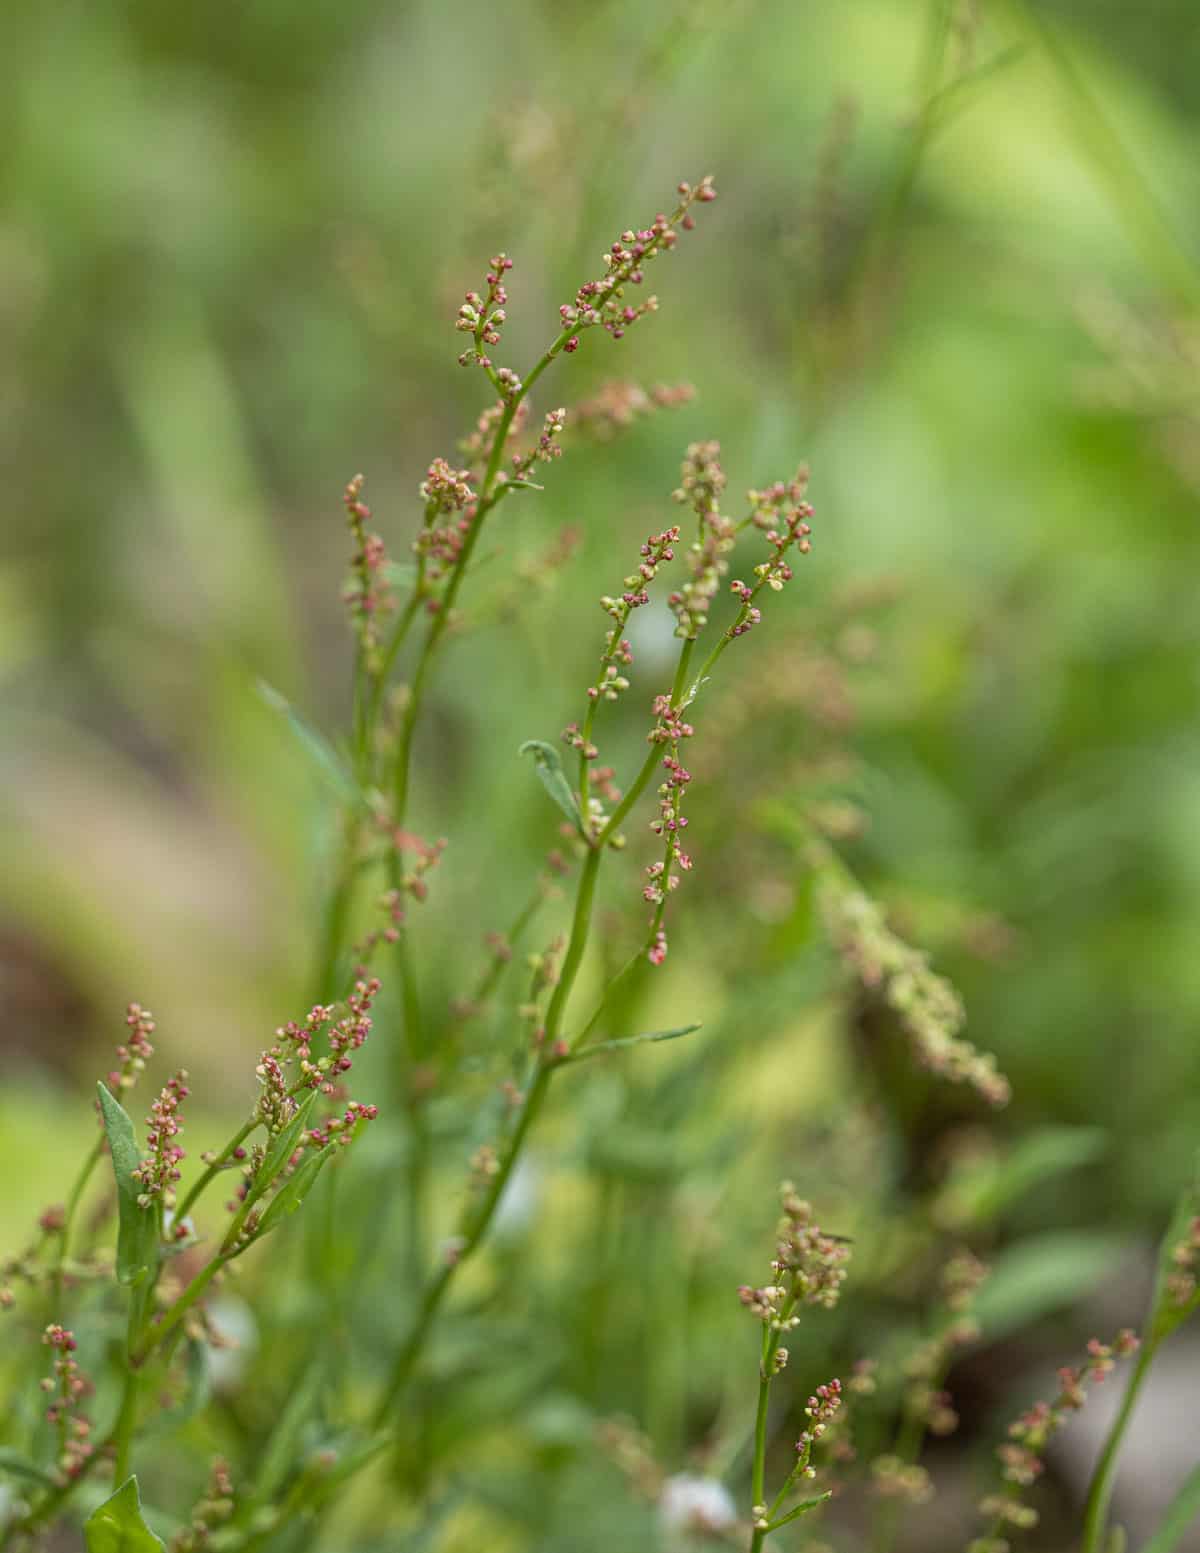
(139,1280)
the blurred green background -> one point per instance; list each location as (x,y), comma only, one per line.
(232,241)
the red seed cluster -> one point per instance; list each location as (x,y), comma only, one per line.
(159,1172)
(68,1386)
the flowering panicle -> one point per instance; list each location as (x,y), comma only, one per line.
(67,1386)
(809,1267)
(285,1071)
(451,506)
(210,1512)
(927,1004)
(927,1405)
(417,857)
(501,946)
(294,1043)
(602,302)
(821,1409)
(135,1052)
(701,484)
(783,515)
(1022,1454)
(543,978)
(656,551)
(781,512)
(393,914)
(341,1129)
(1185,1263)
(618,404)
(367,593)
(484,317)
(904,1482)
(670,728)
(349,1033)
(546,449)
(159,1172)
(926,1402)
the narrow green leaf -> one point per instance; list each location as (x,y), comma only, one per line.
(961,92)
(550,772)
(1181,1516)
(281,1454)
(293,1192)
(324,759)
(199,1383)
(330,1479)
(137,1228)
(1044,1273)
(802,1508)
(284,1146)
(20,1466)
(620,1043)
(117,1526)
(977,1196)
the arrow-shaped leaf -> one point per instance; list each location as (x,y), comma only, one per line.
(116,1526)
(293,1192)
(137,1229)
(620,1043)
(550,771)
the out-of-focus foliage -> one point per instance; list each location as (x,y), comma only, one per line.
(232,241)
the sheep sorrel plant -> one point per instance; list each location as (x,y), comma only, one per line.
(366,1379)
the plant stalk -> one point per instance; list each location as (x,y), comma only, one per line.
(1095,1519)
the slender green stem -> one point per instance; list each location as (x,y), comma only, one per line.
(391,651)
(488,497)
(907,1448)
(489,977)
(634,960)
(650,764)
(436,1290)
(580,927)
(766,1368)
(721,644)
(123,1435)
(127,1417)
(479,1223)
(214,1169)
(337,913)
(78,1187)
(759,1472)
(359,705)
(158,1334)
(1095,1518)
